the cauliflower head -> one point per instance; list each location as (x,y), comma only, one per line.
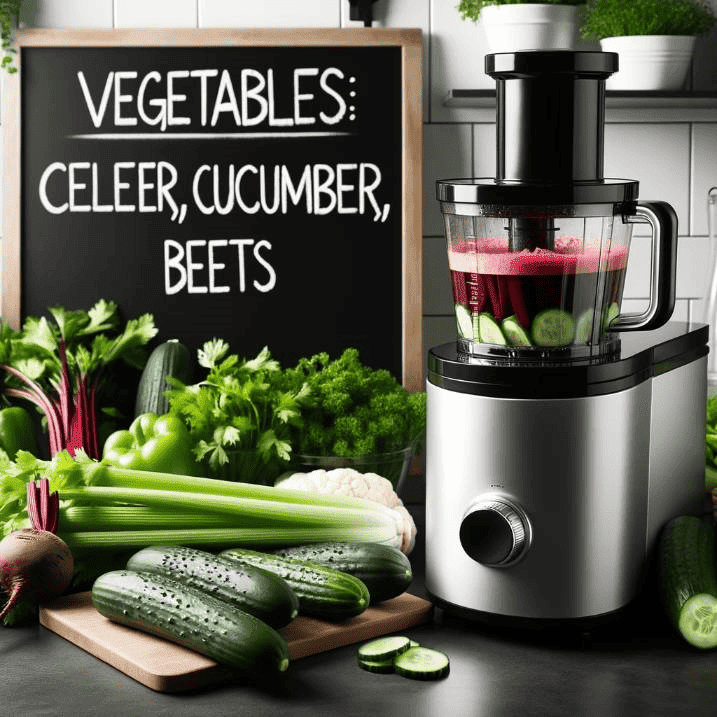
(350,482)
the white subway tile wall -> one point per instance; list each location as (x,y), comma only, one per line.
(155,13)
(269,13)
(674,161)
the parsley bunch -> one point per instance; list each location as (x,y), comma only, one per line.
(354,410)
(240,417)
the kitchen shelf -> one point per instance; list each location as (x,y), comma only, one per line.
(620,106)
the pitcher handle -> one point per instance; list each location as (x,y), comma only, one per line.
(663,220)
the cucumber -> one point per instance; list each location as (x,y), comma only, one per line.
(385,570)
(403,656)
(688,585)
(383,648)
(610,314)
(489,330)
(171,358)
(191,618)
(323,592)
(514,333)
(421,663)
(553,327)
(249,588)
(464,322)
(584,326)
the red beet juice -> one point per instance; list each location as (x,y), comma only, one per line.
(551,295)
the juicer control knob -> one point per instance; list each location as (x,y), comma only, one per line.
(495,532)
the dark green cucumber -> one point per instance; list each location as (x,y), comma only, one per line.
(385,570)
(192,618)
(249,588)
(323,592)
(687,579)
(171,358)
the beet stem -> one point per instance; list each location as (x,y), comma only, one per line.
(15,595)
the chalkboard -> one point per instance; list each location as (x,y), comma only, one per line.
(262,186)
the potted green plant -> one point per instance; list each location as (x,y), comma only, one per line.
(9,14)
(512,25)
(654,39)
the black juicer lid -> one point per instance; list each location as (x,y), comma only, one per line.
(641,355)
(550,117)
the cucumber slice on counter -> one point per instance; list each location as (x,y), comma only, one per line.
(464,321)
(584,326)
(514,333)
(553,327)
(383,648)
(381,667)
(421,663)
(489,331)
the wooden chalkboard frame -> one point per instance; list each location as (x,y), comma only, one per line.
(410,42)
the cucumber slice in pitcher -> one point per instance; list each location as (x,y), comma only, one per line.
(489,330)
(584,326)
(553,327)
(464,322)
(611,313)
(514,333)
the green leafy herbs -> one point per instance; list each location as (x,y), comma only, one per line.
(711,444)
(9,15)
(59,364)
(241,416)
(617,18)
(470,9)
(353,409)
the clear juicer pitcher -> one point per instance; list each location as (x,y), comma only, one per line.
(547,281)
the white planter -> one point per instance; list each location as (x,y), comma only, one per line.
(650,62)
(531,26)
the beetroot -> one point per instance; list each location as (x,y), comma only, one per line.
(34,562)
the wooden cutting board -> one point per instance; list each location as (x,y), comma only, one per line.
(166,667)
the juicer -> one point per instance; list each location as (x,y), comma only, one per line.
(562,432)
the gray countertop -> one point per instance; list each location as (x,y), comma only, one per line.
(635,666)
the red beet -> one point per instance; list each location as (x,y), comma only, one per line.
(34,562)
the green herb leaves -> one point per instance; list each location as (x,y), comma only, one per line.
(240,416)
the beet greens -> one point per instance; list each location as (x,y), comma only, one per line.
(59,366)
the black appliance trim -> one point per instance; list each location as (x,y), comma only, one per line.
(673,346)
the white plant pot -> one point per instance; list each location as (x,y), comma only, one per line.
(531,26)
(649,62)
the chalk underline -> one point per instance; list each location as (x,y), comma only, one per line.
(205,135)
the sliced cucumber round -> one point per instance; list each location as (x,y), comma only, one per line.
(698,621)
(382,667)
(610,314)
(514,333)
(584,326)
(553,327)
(383,648)
(489,330)
(421,663)
(464,320)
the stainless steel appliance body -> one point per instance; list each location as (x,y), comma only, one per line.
(546,487)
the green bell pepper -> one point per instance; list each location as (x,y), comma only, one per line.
(17,431)
(152,443)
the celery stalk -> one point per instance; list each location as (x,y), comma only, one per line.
(138,517)
(298,515)
(227,537)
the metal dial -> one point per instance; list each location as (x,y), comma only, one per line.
(494,532)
